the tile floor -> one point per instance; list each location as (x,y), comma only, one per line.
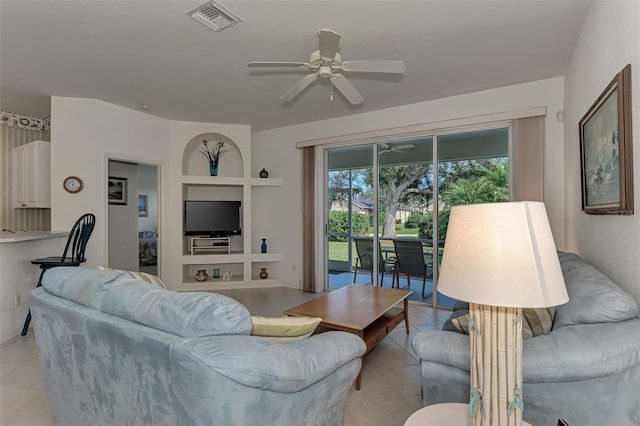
(390,389)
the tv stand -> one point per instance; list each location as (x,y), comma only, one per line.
(208,244)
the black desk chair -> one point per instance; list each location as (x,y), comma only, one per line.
(77,243)
(410,262)
(364,248)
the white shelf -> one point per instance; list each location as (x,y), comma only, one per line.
(267,257)
(266,182)
(229,285)
(213,180)
(205,259)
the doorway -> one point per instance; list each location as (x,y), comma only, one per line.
(133,217)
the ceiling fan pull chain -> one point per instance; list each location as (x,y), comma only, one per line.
(331,89)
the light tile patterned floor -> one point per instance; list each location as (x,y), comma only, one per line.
(390,389)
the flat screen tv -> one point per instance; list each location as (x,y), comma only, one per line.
(213,218)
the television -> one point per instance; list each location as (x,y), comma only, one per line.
(212,218)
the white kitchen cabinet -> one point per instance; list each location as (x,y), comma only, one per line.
(32,175)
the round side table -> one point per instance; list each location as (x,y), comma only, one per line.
(449,414)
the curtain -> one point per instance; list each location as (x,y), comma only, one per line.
(528,159)
(308,220)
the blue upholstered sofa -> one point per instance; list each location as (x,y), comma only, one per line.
(586,370)
(117,351)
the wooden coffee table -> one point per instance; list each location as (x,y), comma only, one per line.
(370,312)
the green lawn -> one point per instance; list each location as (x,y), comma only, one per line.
(408,231)
(338,250)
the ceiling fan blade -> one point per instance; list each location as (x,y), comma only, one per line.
(302,65)
(395,67)
(299,87)
(346,88)
(329,41)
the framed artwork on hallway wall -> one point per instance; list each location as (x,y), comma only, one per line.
(143,207)
(117,190)
(606,150)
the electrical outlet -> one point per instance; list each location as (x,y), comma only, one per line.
(16,300)
(293,267)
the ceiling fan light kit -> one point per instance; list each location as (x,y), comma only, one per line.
(327,63)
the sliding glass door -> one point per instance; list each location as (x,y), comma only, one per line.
(473,167)
(349,211)
(405,195)
(388,205)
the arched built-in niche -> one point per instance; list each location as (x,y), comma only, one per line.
(194,162)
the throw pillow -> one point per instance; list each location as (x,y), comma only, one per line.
(284,329)
(142,276)
(535,322)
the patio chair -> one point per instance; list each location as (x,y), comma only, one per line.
(410,261)
(364,248)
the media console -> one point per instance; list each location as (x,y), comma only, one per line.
(209,244)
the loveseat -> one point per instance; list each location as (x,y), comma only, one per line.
(586,370)
(118,351)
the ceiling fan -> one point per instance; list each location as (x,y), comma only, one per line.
(327,63)
(389,147)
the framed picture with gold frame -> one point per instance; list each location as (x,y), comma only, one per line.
(606,150)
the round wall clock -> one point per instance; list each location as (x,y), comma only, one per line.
(73,184)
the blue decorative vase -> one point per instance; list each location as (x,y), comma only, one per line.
(213,168)
(263,247)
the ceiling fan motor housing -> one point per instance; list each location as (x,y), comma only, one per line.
(315,59)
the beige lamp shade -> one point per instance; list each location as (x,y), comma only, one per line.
(502,254)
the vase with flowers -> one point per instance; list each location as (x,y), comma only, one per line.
(212,153)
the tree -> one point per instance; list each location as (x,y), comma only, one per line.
(468,191)
(402,184)
(344,181)
(491,185)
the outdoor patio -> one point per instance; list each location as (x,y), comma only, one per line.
(338,279)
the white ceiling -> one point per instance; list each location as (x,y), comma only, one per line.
(150,52)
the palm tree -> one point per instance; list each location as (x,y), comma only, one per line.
(468,191)
(498,176)
(491,187)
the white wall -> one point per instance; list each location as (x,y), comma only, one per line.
(84,134)
(123,219)
(610,39)
(275,150)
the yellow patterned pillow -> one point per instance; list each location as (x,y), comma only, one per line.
(284,329)
(143,276)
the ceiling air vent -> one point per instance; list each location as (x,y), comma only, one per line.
(214,16)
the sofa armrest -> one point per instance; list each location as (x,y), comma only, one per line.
(289,367)
(443,347)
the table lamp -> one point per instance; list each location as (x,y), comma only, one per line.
(500,258)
